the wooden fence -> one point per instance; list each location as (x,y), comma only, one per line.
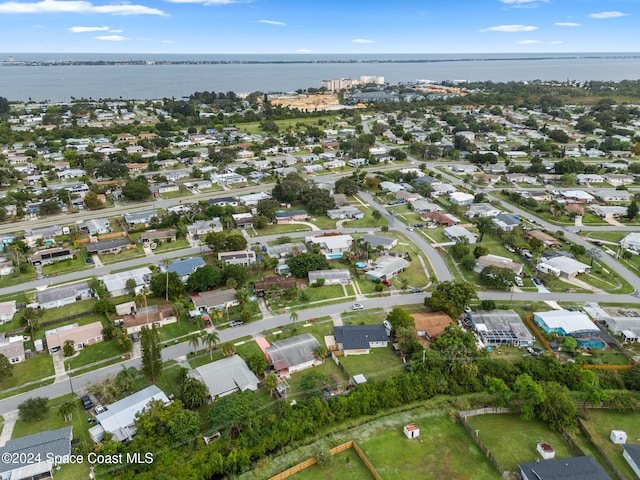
(483,447)
(529,321)
(334,451)
(105,236)
(606,367)
(612,467)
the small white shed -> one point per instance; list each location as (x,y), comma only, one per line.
(411,431)
(619,437)
(545,450)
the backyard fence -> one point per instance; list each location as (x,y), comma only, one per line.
(612,467)
(606,367)
(571,442)
(51,322)
(483,411)
(529,321)
(334,451)
(480,443)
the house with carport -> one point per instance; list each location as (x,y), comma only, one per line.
(330,277)
(292,354)
(61,295)
(80,336)
(205,302)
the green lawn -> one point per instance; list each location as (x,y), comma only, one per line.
(607,236)
(327,369)
(379,364)
(177,329)
(94,353)
(32,369)
(512,440)
(65,266)
(343,465)
(323,222)
(17,279)
(434,235)
(282,229)
(122,256)
(591,219)
(443,450)
(599,424)
(368,221)
(179,244)
(176,194)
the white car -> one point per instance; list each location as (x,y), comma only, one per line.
(357,306)
(518,281)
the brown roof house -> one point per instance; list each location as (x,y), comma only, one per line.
(147,317)
(261,287)
(80,336)
(440,219)
(430,325)
(12,348)
(214,299)
(545,238)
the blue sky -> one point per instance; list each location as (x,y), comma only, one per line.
(329,26)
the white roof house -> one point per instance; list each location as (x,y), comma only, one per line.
(226,376)
(457,233)
(631,241)
(116,283)
(565,322)
(568,267)
(332,246)
(120,416)
(461,198)
(387,267)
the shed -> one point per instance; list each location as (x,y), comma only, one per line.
(545,450)
(411,430)
(619,437)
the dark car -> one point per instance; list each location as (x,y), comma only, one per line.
(236,323)
(417,290)
(86,402)
(537,282)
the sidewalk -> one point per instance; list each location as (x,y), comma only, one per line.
(9,422)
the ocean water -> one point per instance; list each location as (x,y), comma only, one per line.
(55,82)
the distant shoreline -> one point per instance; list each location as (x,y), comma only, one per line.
(152,62)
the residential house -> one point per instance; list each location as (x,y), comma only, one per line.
(12,348)
(312,168)
(158,236)
(577,196)
(608,211)
(501,327)
(547,240)
(631,242)
(346,212)
(613,195)
(340,199)
(140,219)
(147,317)
(521,178)
(199,229)
(224,201)
(292,354)
(260,288)
(332,246)
(391,187)
(80,336)
(252,199)
(431,325)
(386,267)
(360,339)
(506,222)
(483,210)
(240,257)
(461,198)
(460,234)
(7,311)
(491,260)
(118,419)
(376,241)
(562,266)
(111,246)
(61,295)
(564,469)
(439,218)
(43,236)
(205,302)
(51,255)
(116,283)
(226,376)
(35,454)
(564,322)
(619,179)
(358,162)
(288,216)
(6,267)
(631,453)
(424,206)
(184,267)
(243,220)
(175,175)
(330,277)
(164,188)
(95,226)
(587,178)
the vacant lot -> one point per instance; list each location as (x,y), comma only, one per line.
(599,424)
(344,465)
(380,364)
(512,440)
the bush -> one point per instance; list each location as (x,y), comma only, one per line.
(379,287)
(33,409)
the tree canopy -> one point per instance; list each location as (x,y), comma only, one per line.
(451,297)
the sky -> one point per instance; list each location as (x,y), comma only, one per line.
(328,26)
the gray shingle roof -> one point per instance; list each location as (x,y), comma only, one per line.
(575,468)
(295,350)
(61,292)
(358,337)
(104,245)
(56,442)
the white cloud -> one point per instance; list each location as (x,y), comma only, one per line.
(303,50)
(272,22)
(511,28)
(112,38)
(608,15)
(567,24)
(76,6)
(529,42)
(87,29)
(362,40)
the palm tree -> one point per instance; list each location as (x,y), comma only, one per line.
(126,379)
(179,309)
(271,382)
(211,339)
(194,341)
(293,316)
(66,410)
(242,297)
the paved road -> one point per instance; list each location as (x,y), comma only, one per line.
(440,267)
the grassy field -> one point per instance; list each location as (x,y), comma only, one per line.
(122,256)
(281,229)
(327,369)
(379,364)
(607,236)
(343,465)
(10,280)
(94,353)
(599,424)
(65,266)
(512,440)
(32,369)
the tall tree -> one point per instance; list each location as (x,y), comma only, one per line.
(126,379)
(211,339)
(195,393)
(6,368)
(270,382)
(151,353)
(451,297)
(66,410)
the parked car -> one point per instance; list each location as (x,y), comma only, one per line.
(207,321)
(537,281)
(518,281)
(357,306)
(387,283)
(410,229)
(86,402)
(100,409)
(417,290)
(236,323)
